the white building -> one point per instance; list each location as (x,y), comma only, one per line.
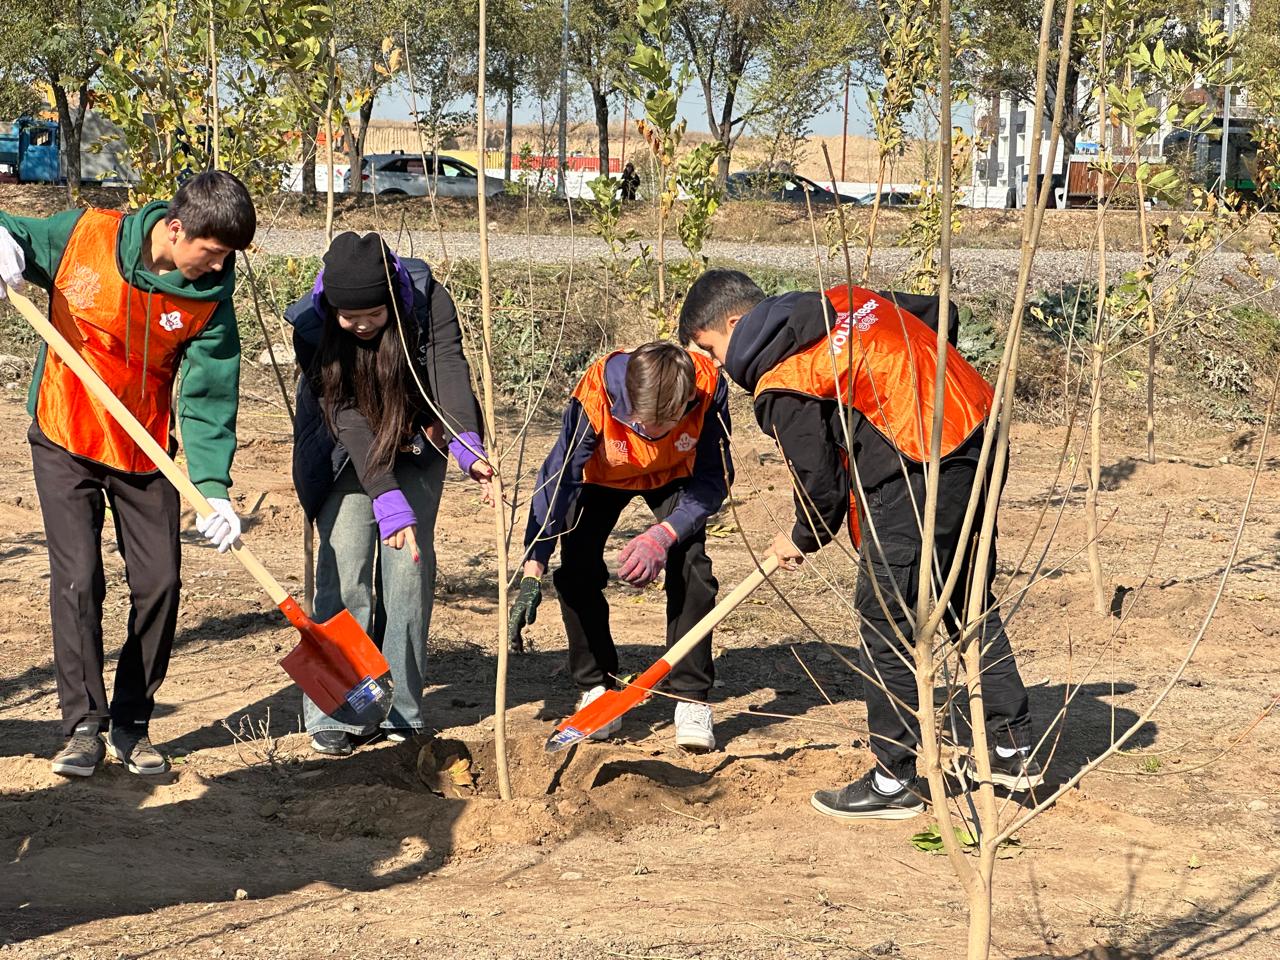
(1005,123)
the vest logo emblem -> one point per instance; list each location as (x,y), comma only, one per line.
(618,448)
(864,318)
(684,443)
(82,287)
(171,321)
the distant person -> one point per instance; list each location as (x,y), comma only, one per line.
(652,423)
(384,383)
(630,182)
(142,295)
(798,354)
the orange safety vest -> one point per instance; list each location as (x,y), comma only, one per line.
(883,361)
(626,460)
(132,340)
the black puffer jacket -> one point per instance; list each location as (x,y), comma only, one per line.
(319,456)
(810,429)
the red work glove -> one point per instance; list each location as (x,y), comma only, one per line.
(645,556)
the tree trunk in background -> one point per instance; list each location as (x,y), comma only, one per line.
(309,132)
(70,134)
(356,141)
(601,101)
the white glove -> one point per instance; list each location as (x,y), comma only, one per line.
(12,263)
(222,527)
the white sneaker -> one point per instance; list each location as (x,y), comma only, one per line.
(693,727)
(610,728)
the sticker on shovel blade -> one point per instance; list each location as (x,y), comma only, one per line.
(566,737)
(365,694)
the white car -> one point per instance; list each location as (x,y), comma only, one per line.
(405,174)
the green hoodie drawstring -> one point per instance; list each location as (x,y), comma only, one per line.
(146,343)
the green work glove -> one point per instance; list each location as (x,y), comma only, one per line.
(523,612)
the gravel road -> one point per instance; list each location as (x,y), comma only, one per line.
(977,270)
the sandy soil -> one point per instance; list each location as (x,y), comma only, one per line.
(256,848)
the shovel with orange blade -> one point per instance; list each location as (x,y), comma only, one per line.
(614,703)
(335,663)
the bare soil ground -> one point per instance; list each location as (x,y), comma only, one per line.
(256,848)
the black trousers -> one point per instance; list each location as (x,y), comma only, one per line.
(894,568)
(581,578)
(146,510)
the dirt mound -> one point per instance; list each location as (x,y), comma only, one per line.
(406,791)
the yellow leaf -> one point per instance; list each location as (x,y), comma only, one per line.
(460,773)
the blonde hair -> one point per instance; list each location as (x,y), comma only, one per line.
(660,382)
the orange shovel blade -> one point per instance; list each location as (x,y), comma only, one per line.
(605,709)
(339,667)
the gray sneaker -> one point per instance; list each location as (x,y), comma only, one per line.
(133,748)
(82,753)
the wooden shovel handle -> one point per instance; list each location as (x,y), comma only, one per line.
(124,416)
(725,607)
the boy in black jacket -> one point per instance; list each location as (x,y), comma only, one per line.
(844,381)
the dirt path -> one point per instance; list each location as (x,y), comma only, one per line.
(630,849)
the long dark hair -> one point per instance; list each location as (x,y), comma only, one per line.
(373,377)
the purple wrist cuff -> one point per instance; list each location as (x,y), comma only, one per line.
(458,446)
(393,513)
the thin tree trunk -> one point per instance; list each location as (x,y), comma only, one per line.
(213,92)
(353,154)
(601,101)
(1096,353)
(508,135)
(874,219)
(328,136)
(491,421)
(1148,291)
(309,150)
(70,140)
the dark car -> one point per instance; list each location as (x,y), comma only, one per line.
(781,187)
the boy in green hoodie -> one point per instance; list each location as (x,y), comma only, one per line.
(144,298)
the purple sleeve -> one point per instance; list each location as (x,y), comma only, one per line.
(462,447)
(393,513)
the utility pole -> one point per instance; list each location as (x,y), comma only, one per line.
(563,185)
(1226,104)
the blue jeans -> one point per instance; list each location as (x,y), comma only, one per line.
(349,548)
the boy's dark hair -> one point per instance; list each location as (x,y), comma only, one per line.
(660,382)
(714,297)
(214,205)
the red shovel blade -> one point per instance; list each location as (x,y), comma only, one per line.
(606,708)
(339,667)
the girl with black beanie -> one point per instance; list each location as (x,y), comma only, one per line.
(385,386)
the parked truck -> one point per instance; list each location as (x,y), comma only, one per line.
(31,151)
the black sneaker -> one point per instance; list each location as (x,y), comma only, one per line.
(332,743)
(861,800)
(132,746)
(1021,772)
(82,753)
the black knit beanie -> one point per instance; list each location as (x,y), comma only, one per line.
(355,272)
